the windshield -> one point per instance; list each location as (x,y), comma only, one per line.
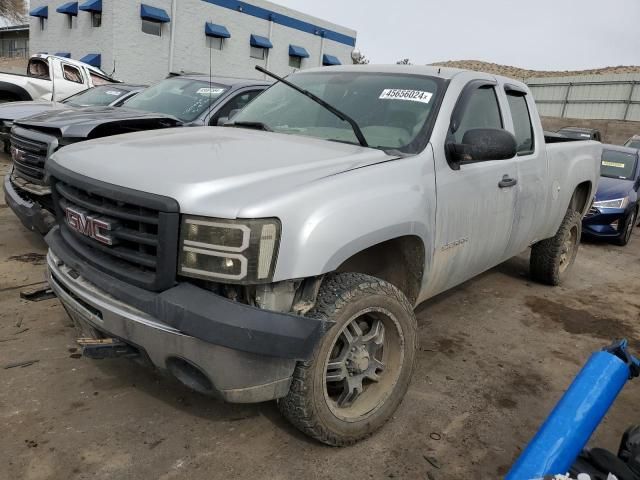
(633,144)
(96,96)
(618,165)
(575,134)
(182,98)
(391,109)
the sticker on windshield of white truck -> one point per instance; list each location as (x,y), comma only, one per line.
(210,91)
(613,164)
(115,93)
(408,95)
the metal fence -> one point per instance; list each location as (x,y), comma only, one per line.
(612,97)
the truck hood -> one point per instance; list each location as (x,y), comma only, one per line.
(613,188)
(214,171)
(16,110)
(83,122)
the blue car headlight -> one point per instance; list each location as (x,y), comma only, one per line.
(616,203)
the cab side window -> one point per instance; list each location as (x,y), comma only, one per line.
(38,68)
(482,111)
(71,74)
(236,103)
(522,125)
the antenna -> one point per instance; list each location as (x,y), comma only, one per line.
(113,72)
(211,68)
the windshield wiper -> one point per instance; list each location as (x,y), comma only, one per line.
(341,115)
(256,125)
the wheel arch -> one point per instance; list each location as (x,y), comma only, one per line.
(581,197)
(399,261)
(15,91)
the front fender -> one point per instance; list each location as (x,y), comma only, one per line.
(330,220)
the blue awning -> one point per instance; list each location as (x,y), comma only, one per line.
(213,30)
(260,42)
(330,60)
(63,54)
(70,8)
(91,6)
(42,12)
(93,59)
(154,14)
(295,51)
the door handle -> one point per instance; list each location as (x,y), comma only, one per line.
(507,182)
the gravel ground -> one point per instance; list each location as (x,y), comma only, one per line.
(496,353)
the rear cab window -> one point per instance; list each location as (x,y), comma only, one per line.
(38,68)
(521,116)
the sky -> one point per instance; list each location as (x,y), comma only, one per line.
(535,34)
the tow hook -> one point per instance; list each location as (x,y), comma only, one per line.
(101,348)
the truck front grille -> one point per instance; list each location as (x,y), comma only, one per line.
(28,158)
(144,238)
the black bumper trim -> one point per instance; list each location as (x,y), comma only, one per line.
(204,315)
(32,215)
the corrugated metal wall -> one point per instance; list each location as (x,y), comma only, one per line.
(615,97)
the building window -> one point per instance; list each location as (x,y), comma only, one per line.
(43,23)
(96,19)
(295,62)
(215,43)
(259,53)
(152,28)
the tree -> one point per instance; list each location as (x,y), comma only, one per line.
(404,61)
(360,59)
(14,10)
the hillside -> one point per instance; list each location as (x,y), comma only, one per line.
(519,73)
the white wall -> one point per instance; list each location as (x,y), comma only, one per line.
(144,58)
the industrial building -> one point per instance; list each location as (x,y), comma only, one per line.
(14,38)
(143,41)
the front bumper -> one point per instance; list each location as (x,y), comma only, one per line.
(32,215)
(246,354)
(600,224)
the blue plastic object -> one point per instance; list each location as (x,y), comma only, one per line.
(576,416)
(70,8)
(153,14)
(213,30)
(295,51)
(42,12)
(329,60)
(91,6)
(260,42)
(93,59)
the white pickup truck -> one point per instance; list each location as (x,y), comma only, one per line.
(281,256)
(50,77)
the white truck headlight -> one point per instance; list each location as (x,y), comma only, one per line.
(616,203)
(233,251)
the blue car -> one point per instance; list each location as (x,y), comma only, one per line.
(615,209)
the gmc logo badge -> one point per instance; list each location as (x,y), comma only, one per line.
(92,227)
(16,154)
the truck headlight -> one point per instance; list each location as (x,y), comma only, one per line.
(617,203)
(233,251)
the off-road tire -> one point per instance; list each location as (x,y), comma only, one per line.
(342,296)
(623,239)
(545,260)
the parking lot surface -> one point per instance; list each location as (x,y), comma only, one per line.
(495,355)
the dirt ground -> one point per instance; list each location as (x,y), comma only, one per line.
(496,353)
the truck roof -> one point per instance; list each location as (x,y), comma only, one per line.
(77,63)
(434,71)
(228,81)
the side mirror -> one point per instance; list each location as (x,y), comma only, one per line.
(233,113)
(482,144)
(221,121)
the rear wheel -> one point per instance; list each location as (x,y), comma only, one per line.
(361,369)
(624,237)
(552,258)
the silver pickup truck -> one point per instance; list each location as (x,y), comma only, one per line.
(281,256)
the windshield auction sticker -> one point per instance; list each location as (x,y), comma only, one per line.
(612,164)
(408,95)
(210,91)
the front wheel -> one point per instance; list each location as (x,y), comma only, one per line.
(552,258)
(361,369)
(625,236)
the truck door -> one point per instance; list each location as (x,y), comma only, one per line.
(475,201)
(531,162)
(70,81)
